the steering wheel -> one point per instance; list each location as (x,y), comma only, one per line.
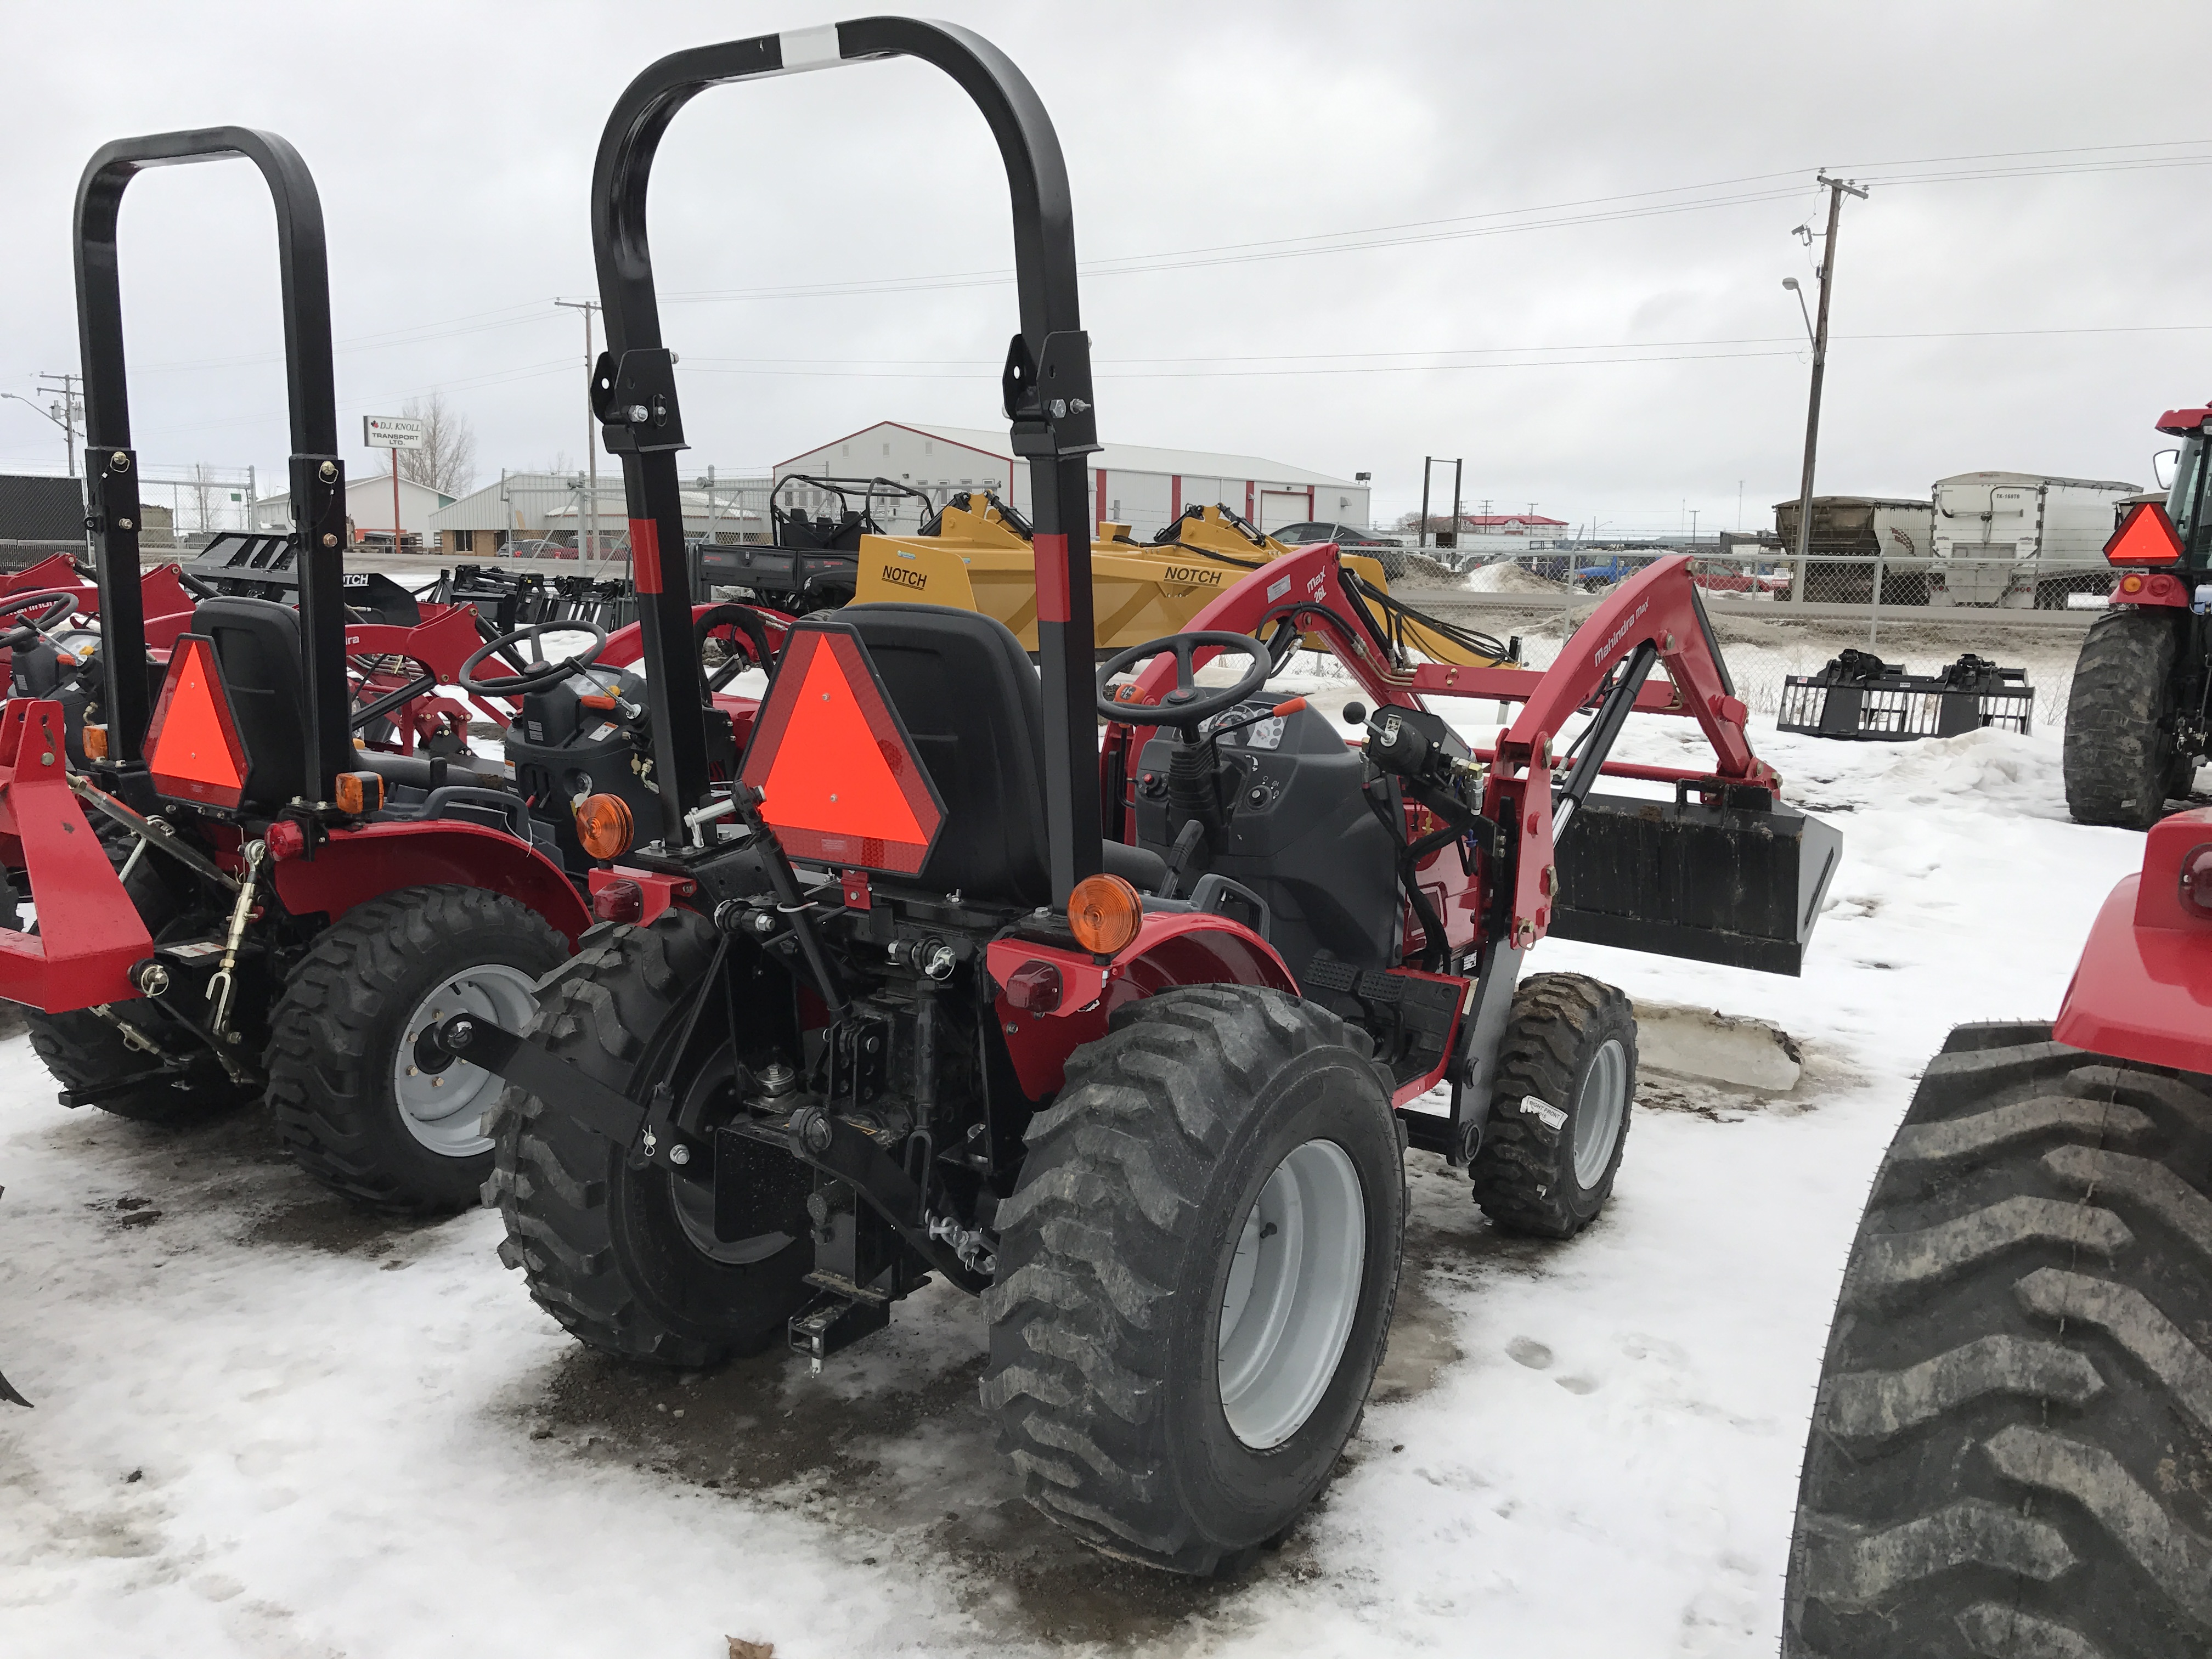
(60,607)
(1189,704)
(545,674)
(747,621)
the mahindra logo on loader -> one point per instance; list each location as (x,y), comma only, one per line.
(905,577)
(1614,639)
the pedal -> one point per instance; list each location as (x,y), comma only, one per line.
(834,1321)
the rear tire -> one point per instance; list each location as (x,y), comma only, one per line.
(621,1256)
(2009,1450)
(1559,1120)
(2120,756)
(1165,1395)
(347,1065)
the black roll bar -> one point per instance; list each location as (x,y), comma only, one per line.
(318,475)
(1047,386)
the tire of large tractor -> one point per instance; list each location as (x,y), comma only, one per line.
(361,1099)
(2119,756)
(628,1259)
(2009,1450)
(84,1052)
(1195,1275)
(1559,1120)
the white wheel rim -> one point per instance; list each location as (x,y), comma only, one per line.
(1292,1294)
(444,1104)
(1599,1109)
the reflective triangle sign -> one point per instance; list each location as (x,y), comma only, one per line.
(193,751)
(2146,536)
(840,778)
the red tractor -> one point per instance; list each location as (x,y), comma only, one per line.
(2138,721)
(1126,1039)
(2012,1449)
(232,901)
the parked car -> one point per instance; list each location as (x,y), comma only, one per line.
(1717,578)
(1306,535)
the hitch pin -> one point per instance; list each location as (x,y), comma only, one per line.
(696,822)
(219,987)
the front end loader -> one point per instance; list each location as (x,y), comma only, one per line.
(934,986)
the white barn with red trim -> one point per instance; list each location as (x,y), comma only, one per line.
(1144,488)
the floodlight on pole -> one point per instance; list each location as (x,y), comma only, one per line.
(1791,283)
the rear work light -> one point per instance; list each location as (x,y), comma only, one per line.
(2196,879)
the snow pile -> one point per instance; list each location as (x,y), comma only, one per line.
(1507,578)
(267,1425)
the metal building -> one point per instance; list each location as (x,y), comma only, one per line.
(1144,488)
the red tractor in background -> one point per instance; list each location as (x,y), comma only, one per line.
(2011,1452)
(264,910)
(2138,722)
(1127,1038)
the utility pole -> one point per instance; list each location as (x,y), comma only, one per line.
(65,413)
(1428,463)
(1837,189)
(587,521)
(71,410)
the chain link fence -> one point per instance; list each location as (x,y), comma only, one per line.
(1778,618)
(1998,584)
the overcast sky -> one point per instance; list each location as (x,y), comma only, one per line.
(1587,306)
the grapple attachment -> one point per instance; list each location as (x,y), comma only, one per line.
(1740,883)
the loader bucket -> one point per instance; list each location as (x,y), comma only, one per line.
(1740,885)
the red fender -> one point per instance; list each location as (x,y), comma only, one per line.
(1179,947)
(2142,990)
(357,865)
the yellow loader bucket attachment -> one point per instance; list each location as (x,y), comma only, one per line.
(980,560)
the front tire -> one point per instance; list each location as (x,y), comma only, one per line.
(2009,1450)
(363,1103)
(1558,1119)
(2120,756)
(1195,1275)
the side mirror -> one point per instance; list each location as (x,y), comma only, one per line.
(2162,466)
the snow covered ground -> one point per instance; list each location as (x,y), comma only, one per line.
(267,1425)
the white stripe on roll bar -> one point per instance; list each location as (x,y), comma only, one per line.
(809,49)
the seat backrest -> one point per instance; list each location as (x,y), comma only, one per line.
(965,690)
(257,647)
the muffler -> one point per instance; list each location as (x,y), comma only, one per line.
(1739,883)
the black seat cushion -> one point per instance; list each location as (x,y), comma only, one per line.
(257,647)
(964,688)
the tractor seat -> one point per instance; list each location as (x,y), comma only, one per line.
(257,647)
(965,689)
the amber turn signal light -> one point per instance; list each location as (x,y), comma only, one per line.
(360,791)
(95,742)
(1104,913)
(603,826)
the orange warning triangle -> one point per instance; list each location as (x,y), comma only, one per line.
(2146,536)
(840,783)
(194,749)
